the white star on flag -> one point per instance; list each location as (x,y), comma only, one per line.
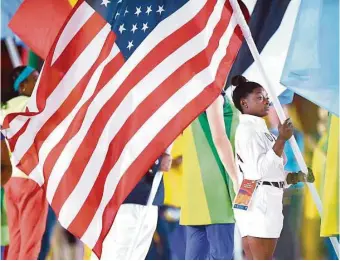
(149,10)
(117,14)
(119,1)
(160,9)
(130,45)
(134,28)
(145,26)
(105,2)
(126,11)
(138,10)
(121,28)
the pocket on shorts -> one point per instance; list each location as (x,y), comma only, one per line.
(260,199)
(274,199)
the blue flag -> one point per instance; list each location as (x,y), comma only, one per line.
(8,8)
(312,65)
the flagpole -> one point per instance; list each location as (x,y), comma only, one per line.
(13,52)
(277,105)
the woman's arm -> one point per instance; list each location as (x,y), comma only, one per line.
(220,138)
(6,166)
(256,157)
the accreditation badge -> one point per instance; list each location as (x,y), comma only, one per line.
(245,194)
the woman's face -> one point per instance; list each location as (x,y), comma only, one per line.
(257,103)
(26,88)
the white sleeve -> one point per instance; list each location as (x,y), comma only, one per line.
(256,157)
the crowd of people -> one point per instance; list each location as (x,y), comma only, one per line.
(205,169)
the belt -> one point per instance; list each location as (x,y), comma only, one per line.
(275,184)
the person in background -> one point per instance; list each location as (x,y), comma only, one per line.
(173,178)
(22,80)
(168,242)
(6,165)
(6,173)
(49,231)
(25,200)
(209,176)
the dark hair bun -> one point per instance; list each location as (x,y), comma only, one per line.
(238,80)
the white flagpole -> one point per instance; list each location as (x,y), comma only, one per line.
(13,52)
(277,105)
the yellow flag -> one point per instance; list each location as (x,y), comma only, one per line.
(330,198)
(318,167)
(73,2)
(310,226)
(173,178)
(87,253)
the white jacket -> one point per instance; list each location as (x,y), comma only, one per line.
(255,157)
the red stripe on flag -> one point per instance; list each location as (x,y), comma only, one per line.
(79,42)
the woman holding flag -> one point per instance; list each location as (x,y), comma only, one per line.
(259,156)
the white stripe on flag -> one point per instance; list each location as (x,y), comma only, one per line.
(77,21)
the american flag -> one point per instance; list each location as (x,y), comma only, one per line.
(123,79)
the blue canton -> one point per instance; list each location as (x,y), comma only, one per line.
(133,20)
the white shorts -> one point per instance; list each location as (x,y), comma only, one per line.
(264,217)
(121,242)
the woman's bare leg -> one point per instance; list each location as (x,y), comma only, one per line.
(262,248)
(246,248)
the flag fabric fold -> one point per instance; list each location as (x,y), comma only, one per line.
(312,65)
(37,23)
(330,198)
(121,81)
